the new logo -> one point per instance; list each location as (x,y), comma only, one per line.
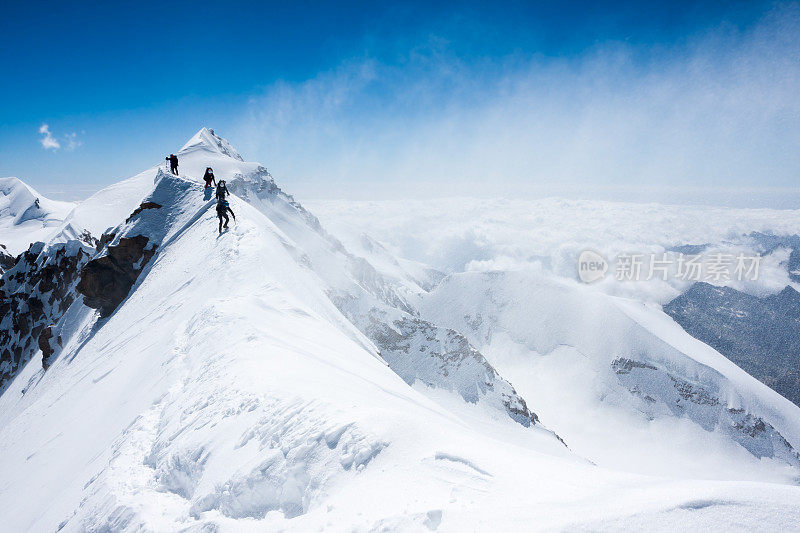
(591,266)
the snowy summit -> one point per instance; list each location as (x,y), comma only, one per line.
(160,375)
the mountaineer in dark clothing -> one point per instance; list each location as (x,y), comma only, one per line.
(209,177)
(173,163)
(222,190)
(222,212)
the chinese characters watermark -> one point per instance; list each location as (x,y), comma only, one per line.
(712,267)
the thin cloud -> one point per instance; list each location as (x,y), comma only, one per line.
(48,141)
(716,110)
(72,141)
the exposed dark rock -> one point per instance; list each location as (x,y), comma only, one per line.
(142,207)
(44,343)
(440,357)
(6,259)
(88,238)
(624,366)
(34,295)
(761,335)
(105,281)
(105,238)
(700,402)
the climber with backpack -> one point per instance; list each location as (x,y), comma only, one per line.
(173,163)
(209,177)
(223,208)
(222,190)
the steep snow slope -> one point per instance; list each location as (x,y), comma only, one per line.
(220,395)
(106,208)
(380,306)
(761,335)
(228,390)
(26,216)
(220,388)
(621,382)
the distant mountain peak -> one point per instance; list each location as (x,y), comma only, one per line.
(206,139)
(27,216)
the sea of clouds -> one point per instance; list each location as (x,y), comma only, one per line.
(460,234)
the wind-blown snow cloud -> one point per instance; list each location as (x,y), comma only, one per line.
(719,110)
(49,142)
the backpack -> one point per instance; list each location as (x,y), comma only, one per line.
(221,190)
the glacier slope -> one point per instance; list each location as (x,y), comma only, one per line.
(619,380)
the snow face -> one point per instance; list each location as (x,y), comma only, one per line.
(26,216)
(380,306)
(242,383)
(600,370)
(205,140)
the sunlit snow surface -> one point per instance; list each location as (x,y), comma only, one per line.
(26,216)
(229,391)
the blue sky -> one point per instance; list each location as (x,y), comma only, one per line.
(352,99)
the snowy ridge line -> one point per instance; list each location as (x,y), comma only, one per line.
(26,216)
(234,382)
(381,307)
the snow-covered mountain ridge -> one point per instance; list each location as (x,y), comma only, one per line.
(271,378)
(26,216)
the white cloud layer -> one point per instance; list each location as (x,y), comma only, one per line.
(460,234)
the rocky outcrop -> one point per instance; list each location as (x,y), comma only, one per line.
(142,207)
(34,295)
(703,402)
(761,335)
(6,259)
(106,280)
(440,358)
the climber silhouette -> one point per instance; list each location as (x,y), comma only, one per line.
(173,163)
(209,177)
(222,212)
(222,190)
